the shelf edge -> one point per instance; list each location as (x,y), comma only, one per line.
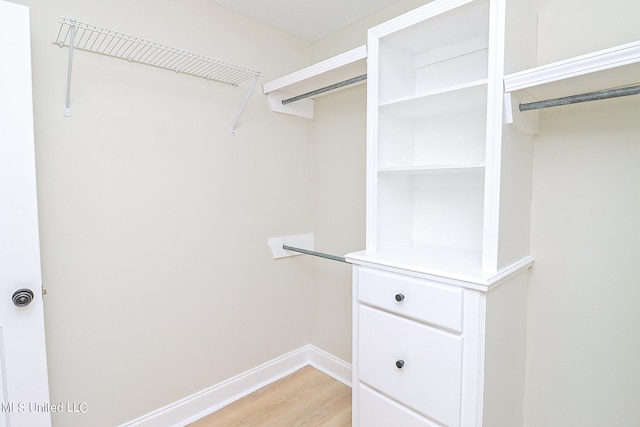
(333,63)
(484,281)
(436,92)
(573,67)
(433,168)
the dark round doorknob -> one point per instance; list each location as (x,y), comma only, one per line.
(399,363)
(399,297)
(22,297)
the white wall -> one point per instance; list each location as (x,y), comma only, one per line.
(583,345)
(338,212)
(154,220)
(574,27)
(355,34)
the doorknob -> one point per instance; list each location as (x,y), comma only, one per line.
(22,297)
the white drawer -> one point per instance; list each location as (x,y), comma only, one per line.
(429,380)
(376,410)
(421,299)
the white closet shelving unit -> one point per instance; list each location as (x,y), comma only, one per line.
(436,149)
(342,70)
(93,38)
(440,291)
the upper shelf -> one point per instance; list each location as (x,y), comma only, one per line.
(101,40)
(603,69)
(92,38)
(328,73)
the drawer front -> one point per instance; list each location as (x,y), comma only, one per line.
(418,365)
(421,299)
(375,410)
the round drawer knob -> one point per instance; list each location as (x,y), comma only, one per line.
(399,363)
(399,297)
(22,297)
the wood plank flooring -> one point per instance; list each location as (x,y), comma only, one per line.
(307,397)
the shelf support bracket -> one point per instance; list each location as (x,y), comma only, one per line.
(244,105)
(67,102)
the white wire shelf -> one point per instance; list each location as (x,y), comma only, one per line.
(101,40)
(93,38)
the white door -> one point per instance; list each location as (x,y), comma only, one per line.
(24,391)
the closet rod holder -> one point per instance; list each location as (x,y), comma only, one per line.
(584,97)
(325,89)
(314,253)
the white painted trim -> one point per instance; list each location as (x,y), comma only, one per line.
(493,150)
(325,362)
(483,281)
(371,182)
(590,63)
(209,400)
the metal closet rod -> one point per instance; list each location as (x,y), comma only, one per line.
(314,253)
(584,97)
(325,89)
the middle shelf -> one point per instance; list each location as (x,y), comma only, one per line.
(434,168)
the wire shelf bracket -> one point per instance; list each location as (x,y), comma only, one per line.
(96,39)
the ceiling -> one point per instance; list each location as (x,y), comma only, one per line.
(306,19)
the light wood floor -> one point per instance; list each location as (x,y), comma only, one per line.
(307,397)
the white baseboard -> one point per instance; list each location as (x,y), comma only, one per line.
(209,400)
(330,365)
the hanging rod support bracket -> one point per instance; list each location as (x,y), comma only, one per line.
(325,89)
(314,253)
(584,97)
(67,102)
